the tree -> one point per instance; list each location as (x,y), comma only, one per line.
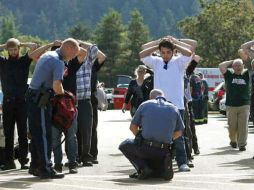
(8,28)
(220,28)
(109,35)
(80,31)
(137,34)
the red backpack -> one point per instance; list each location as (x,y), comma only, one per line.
(64,110)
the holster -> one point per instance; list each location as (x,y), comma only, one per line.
(138,138)
(42,96)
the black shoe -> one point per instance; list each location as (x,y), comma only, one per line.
(233,144)
(73,169)
(24,167)
(9,166)
(34,172)
(134,175)
(66,164)
(242,148)
(58,168)
(145,173)
(190,164)
(95,161)
(167,175)
(51,175)
(196,151)
(87,163)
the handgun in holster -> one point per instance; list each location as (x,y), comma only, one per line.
(42,97)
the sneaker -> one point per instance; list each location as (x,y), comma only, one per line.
(233,144)
(58,168)
(242,148)
(9,166)
(184,168)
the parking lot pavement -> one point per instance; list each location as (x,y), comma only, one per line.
(218,167)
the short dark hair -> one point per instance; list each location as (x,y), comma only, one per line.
(167,44)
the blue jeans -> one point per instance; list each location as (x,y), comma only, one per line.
(181,157)
(71,144)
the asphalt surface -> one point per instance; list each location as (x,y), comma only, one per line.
(217,167)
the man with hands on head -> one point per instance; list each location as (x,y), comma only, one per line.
(14,72)
(237,101)
(169,72)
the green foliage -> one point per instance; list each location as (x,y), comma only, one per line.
(109,35)
(137,34)
(8,28)
(80,31)
(220,28)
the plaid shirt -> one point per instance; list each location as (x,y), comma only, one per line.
(83,75)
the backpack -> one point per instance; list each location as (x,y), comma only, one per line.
(64,110)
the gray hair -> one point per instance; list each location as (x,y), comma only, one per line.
(155,93)
(237,61)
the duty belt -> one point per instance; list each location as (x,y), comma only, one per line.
(156,144)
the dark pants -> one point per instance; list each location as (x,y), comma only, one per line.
(40,127)
(205,109)
(197,110)
(85,117)
(187,133)
(94,140)
(193,128)
(15,111)
(143,156)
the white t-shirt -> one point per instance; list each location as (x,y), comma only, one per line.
(170,81)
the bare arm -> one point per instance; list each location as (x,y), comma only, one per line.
(101,57)
(32,46)
(224,65)
(2,47)
(246,50)
(58,87)
(81,55)
(192,43)
(185,51)
(84,45)
(134,129)
(34,55)
(151,44)
(148,51)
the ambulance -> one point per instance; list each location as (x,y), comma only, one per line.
(213,77)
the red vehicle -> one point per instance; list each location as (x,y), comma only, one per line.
(119,92)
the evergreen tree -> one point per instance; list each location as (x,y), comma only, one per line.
(109,37)
(80,31)
(137,35)
(8,28)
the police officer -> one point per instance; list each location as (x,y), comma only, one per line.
(47,77)
(14,72)
(150,153)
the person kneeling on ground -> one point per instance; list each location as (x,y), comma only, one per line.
(150,151)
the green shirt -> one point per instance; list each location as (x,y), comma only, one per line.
(237,88)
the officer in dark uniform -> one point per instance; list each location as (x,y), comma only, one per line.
(149,153)
(14,72)
(47,78)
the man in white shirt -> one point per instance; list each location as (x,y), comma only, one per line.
(169,77)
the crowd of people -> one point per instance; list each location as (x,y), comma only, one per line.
(166,105)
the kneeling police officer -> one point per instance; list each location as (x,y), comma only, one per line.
(150,151)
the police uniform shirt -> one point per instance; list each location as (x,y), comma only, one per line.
(49,68)
(159,119)
(14,74)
